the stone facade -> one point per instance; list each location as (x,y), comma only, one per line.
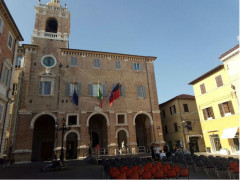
(9,38)
(132,121)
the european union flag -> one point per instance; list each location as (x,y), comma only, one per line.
(75,98)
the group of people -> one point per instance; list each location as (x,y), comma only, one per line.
(158,154)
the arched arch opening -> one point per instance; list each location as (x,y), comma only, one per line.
(98,131)
(43,138)
(52,25)
(71,145)
(122,139)
(143,130)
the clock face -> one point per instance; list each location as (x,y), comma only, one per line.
(49,62)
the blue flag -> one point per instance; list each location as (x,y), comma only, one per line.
(75,98)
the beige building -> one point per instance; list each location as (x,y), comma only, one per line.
(9,42)
(181,124)
(51,72)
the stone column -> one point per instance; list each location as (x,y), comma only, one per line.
(84,142)
(132,144)
(112,140)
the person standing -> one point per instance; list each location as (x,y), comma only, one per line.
(152,152)
(157,151)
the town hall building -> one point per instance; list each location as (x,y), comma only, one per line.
(52,71)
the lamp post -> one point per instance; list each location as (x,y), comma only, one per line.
(63,129)
(189,125)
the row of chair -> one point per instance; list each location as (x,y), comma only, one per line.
(148,171)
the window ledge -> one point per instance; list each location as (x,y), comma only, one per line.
(121,124)
(74,125)
(46,95)
(227,114)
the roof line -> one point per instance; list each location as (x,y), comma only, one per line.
(206,74)
(229,51)
(66,49)
(181,96)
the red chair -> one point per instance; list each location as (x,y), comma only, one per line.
(140,171)
(176,168)
(184,172)
(171,173)
(135,168)
(123,169)
(134,175)
(152,170)
(122,176)
(158,175)
(114,174)
(149,165)
(165,169)
(146,168)
(129,172)
(159,164)
(167,165)
(232,165)
(146,175)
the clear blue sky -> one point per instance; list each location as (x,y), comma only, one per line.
(186,36)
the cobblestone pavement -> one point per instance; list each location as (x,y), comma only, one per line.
(77,169)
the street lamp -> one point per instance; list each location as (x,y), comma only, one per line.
(63,129)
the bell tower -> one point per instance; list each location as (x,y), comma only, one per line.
(52,21)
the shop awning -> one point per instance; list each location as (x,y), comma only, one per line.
(229,133)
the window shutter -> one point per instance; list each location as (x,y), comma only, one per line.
(67,92)
(90,90)
(231,107)
(1,25)
(104,90)
(9,77)
(212,113)
(204,114)
(144,91)
(139,91)
(141,67)
(220,106)
(203,89)
(113,86)
(122,91)
(2,72)
(170,108)
(79,89)
(133,67)
(98,63)
(95,63)
(40,87)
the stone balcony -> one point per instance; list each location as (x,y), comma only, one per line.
(49,35)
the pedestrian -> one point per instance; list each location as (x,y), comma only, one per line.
(157,152)
(162,154)
(152,152)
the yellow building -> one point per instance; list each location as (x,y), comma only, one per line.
(181,124)
(218,110)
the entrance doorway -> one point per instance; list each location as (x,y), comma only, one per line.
(143,132)
(194,143)
(43,138)
(216,144)
(71,146)
(98,131)
(122,139)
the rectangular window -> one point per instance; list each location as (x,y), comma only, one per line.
(19,61)
(45,87)
(10,41)
(96,63)
(136,66)
(189,125)
(172,110)
(118,65)
(208,113)
(121,119)
(226,108)
(166,130)
(176,127)
(93,90)
(1,25)
(163,113)
(72,120)
(6,74)
(14,91)
(73,61)
(219,81)
(202,88)
(141,91)
(70,89)
(185,106)
(1,112)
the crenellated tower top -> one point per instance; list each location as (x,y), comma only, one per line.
(54,3)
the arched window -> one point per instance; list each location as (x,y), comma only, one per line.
(52,25)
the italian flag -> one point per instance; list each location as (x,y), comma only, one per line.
(100,97)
